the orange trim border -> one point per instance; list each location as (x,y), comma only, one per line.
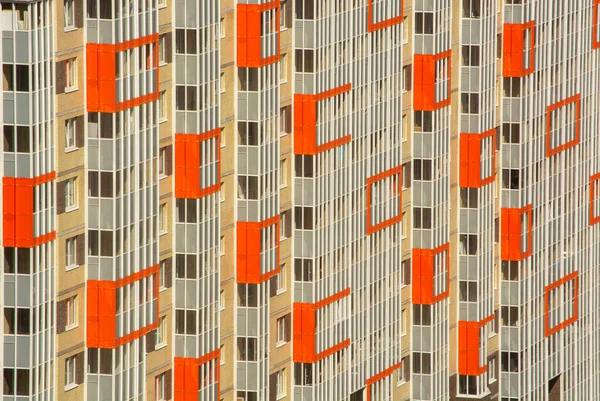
(187,175)
(468,347)
(392,220)
(376,26)
(379,376)
(186,375)
(550,151)
(470,159)
(548,331)
(593,182)
(248,242)
(423,275)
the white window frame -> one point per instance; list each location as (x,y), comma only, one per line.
(222,27)
(405,31)
(71,304)
(283,5)
(161,48)
(162,106)
(69,15)
(404,78)
(162,3)
(222,354)
(161,333)
(283,68)
(400,376)
(222,192)
(70,134)
(162,275)
(404,321)
(283,173)
(283,121)
(281,288)
(71,194)
(281,340)
(222,245)
(70,372)
(222,300)
(492,370)
(71,253)
(160,387)
(222,83)
(71,74)
(162,219)
(280,385)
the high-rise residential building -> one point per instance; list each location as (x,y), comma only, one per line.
(304,200)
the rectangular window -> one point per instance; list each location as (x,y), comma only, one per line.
(69,14)
(222,27)
(71,194)
(405,79)
(222,83)
(283,13)
(162,106)
(404,321)
(222,245)
(404,127)
(283,173)
(405,272)
(162,274)
(404,225)
(281,331)
(71,74)
(70,373)
(424,23)
(405,33)
(400,376)
(162,219)
(283,68)
(222,354)
(71,312)
(160,387)
(71,253)
(222,299)
(470,56)
(70,134)
(281,384)
(283,120)
(280,280)
(492,369)
(222,192)
(162,162)
(161,332)
(161,49)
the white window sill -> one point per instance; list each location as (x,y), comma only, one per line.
(158,347)
(161,6)
(280,344)
(283,29)
(70,29)
(492,381)
(71,386)
(71,208)
(162,176)
(162,289)
(162,120)
(403,334)
(401,383)
(282,134)
(222,145)
(281,291)
(221,91)
(71,327)
(160,234)
(71,149)
(281,239)
(279,397)
(71,267)
(72,89)
(283,186)
(283,81)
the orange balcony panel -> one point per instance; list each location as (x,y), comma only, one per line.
(396,190)
(427,263)
(594,195)
(575,101)
(595,40)
(249,250)
(425,79)
(379,376)
(188,164)
(249,22)
(376,26)
(101,316)
(518,49)
(187,376)
(468,347)
(305,122)
(305,323)
(471,146)
(18,210)
(512,222)
(548,330)
(102,75)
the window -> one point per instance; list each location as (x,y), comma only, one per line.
(280,384)
(405,271)
(400,376)
(469,103)
(492,369)
(247,349)
(222,192)
(70,373)
(512,87)
(424,23)
(71,74)
(404,225)
(222,27)
(162,274)
(162,219)
(71,194)
(222,354)
(161,48)
(22,16)
(70,134)
(422,217)
(405,30)
(222,83)
(71,250)
(281,331)
(423,169)
(222,300)
(405,78)
(160,387)
(305,60)
(222,138)
(511,133)
(406,175)
(510,178)
(280,280)
(283,14)
(404,321)
(222,245)
(161,331)
(283,67)
(162,106)
(404,127)
(470,55)
(283,173)
(471,8)
(284,123)
(162,162)
(467,385)
(71,313)
(69,14)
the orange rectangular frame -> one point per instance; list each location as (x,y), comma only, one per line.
(102,75)
(392,220)
(595,43)
(102,310)
(470,159)
(593,182)
(513,49)
(550,151)
(423,274)
(186,375)
(18,210)
(305,316)
(424,81)
(468,347)
(248,34)
(305,122)
(548,331)
(374,379)
(375,26)
(510,246)
(248,251)
(187,164)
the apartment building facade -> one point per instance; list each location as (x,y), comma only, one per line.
(300,199)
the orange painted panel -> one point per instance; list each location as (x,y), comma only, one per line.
(249,21)
(423,271)
(594,219)
(470,159)
(548,331)
(551,151)
(514,49)
(186,376)
(376,26)
(249,250)
(188,162)
(425,79)
(305,122)
(468,347)
(374,379)
(101,74)
(392,220)
(304,335)
(101,316)
(595,41)
(510,246)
